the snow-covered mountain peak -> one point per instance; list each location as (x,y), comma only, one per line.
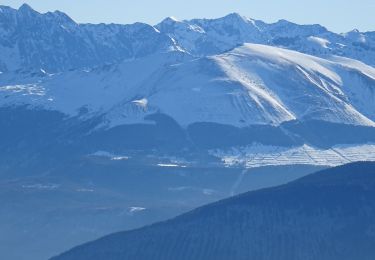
(235,17)
(107,68)
(54,42)
(25,8)
(170,20)
(356,36)
(250,85)
(284,28)
(171,24)
(284,57)
(283,22)
(26,11)
(61,17)
(111,43)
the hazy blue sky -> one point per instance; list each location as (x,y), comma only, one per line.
(337,15)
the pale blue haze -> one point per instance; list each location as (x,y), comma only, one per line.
(336,15)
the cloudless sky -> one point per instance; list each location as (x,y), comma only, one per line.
(336,15)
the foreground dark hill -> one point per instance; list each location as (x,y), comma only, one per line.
(327,216)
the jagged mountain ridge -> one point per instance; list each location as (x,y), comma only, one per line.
(54,42)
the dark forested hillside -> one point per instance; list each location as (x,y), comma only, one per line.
(327,216)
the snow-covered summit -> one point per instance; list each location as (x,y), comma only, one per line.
(252,84)
(213,36)
(54,42)
(231,70)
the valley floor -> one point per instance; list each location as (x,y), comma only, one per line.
(260,155)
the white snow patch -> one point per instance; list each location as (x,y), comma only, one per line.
(141,102)
(39,186)
(260,155)
(120,158)
(319,41)
(172,18)
(171,165)
(110,156)
(84,190)
(136,209)
(28,89)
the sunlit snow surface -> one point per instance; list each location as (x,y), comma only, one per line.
(252,84)
(261,155)
(258,155)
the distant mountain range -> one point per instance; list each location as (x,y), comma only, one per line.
(190,71)
(329,215)
(54,42)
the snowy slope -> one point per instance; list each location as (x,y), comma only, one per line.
(256,155)
(187,70)
(89,92)
(253,84)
